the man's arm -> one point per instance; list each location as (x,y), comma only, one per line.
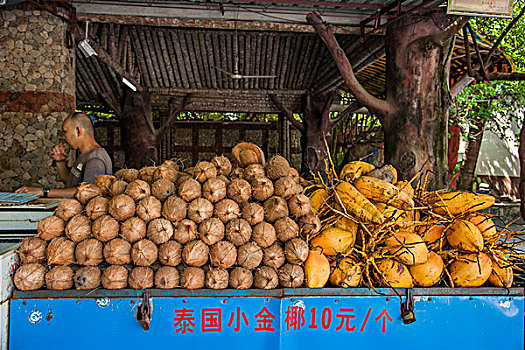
(53,193)
(58,153)
(63,170)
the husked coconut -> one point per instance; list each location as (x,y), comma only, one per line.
(121,207)
(144,253)
(105,228)
(127,175)
(133,229)
(214,190)
(117,252)
(291,276)
(167,277)
(78,228)
(60,251)
(227,210)
(195,253)
(249,255)
(162,189)
(238,231)
(115,277)
(286,229)
(296,251)
(104,182)
(246,153)
(286,187)
(217,278)
(87,278)
(309,225)
(211,231)
(185,231)
(170,253)
(89,252)
(85,192)
(223,254)
(59,278)
(253,170)
(239,190)
(148,174)
(274,256)
(275,208)
(192,278)
(223,179)
(262,188)
(190,190)
(30,276)
(118,187)
(159,230)
(204,171)
(295,175)
(253,213)
(32,250)
(223,165)
(265,278)
(97,207)
(68,208)
(264,234)
(277,167)
(189,171)
(141,278)
(149,208)
(50,227)
(237,173)
(241,278)
(299,205)
(200,209)
(167,172)
(138,189)
(174,208)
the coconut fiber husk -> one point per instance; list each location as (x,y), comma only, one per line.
(296,251)
(227,210)
(121,207)
(223,254)
(117,252)
(239,190)
(192,278)
(50,227)
(170,253)
(118,187)
(195,253)
(275,208)
(214,190)
(262,188)
(149,208)
(159,230)
(200,209)
(138,189)
(286,187)
(68,208)
(162,189)
(238,231)
(217,278)
(85,192)
(97,207)
(252,171)
(30,276)
(167,277)
(309,225)
(148,174)
(291,276)
(286,229)
(32,250)
(133,229)
(89,252)
(211,231)
(105,228)
(104,182)
(204,171)
(249,255)
(87,278)
(253,213)
(222,164)
(246,153)
(144,253)
(299,205)
(61,251)
(237,173)
(266,278)
(295,174)
(183,177)
(264,234)
(223,179)
(241,278)
(78,228)
(274,256)
(127,175)
(185,231)
(277,167)
(141,278)
(115,277)
(59,278)
(174,208)
(167,172)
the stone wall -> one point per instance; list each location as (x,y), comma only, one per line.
(37,89)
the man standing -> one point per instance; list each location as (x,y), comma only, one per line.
(78,132)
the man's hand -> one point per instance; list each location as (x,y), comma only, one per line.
(28,189)
(58,153)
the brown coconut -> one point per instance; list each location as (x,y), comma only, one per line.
(471,270)
(85,192)
(162,189)
(68,208)
(277,167)
(274,256)
(299,205)
(133,229)
(189,171)
(89,252)
(246,153)
(222,164)
(223,254)
(266,278)
(104,182)
(97,207)
(429,273)
(239,190)
(127,175)
(190,190)
(144,252)
(249,255)
(309,225)
(223,179)
(115,277)
(295,175)
(252,171)
(407,248)
(227,210)
(264,234)
(238,231)
(195,253)
(275,208)
(141,278)
(87,278)
(204,171)
(30,276)
(50,227)
(217,278)
(149,208)
(192,278)
(117,252)
(118,187)
(286,187)
(464,235)
(253,213)
(200,209)
(121,207)
(61,251)
(159,230)
(345,273)
(185,231)
(262,188)
(174,208)
(286,229)
(214,190)
(32,250)
(393,274)
(237,173)
(105,228)
(170,253)
(59,278)
(78,228)
(211,231)
(138,189)
(167,172)
(148,174)
(167,277)
(296,251)
(291,276)
(241,278)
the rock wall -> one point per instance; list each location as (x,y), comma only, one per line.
(37,92)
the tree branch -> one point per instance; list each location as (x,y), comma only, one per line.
(161,132)
(462,83)
(296,124)
(112,102)
(374,104)
(441,37)
(475,42)
(514,76)
(325,113)
(348,110)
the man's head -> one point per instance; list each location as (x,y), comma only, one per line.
(77,129)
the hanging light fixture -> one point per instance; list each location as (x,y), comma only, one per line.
(84,45)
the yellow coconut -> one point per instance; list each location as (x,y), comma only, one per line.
(429,273)
(486,226)
(333,241)
(346,273)
(502,275)
(406,187)
(457,202)
(408,248)
(355,169)
(346,224)
(432,233)
(471,270)
(318,199)
(393,274)
(316,269)
(464,235)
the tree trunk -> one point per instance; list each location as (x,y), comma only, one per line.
(138,136)
(521,152)
(417,87)
(468,168)
(452,152)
